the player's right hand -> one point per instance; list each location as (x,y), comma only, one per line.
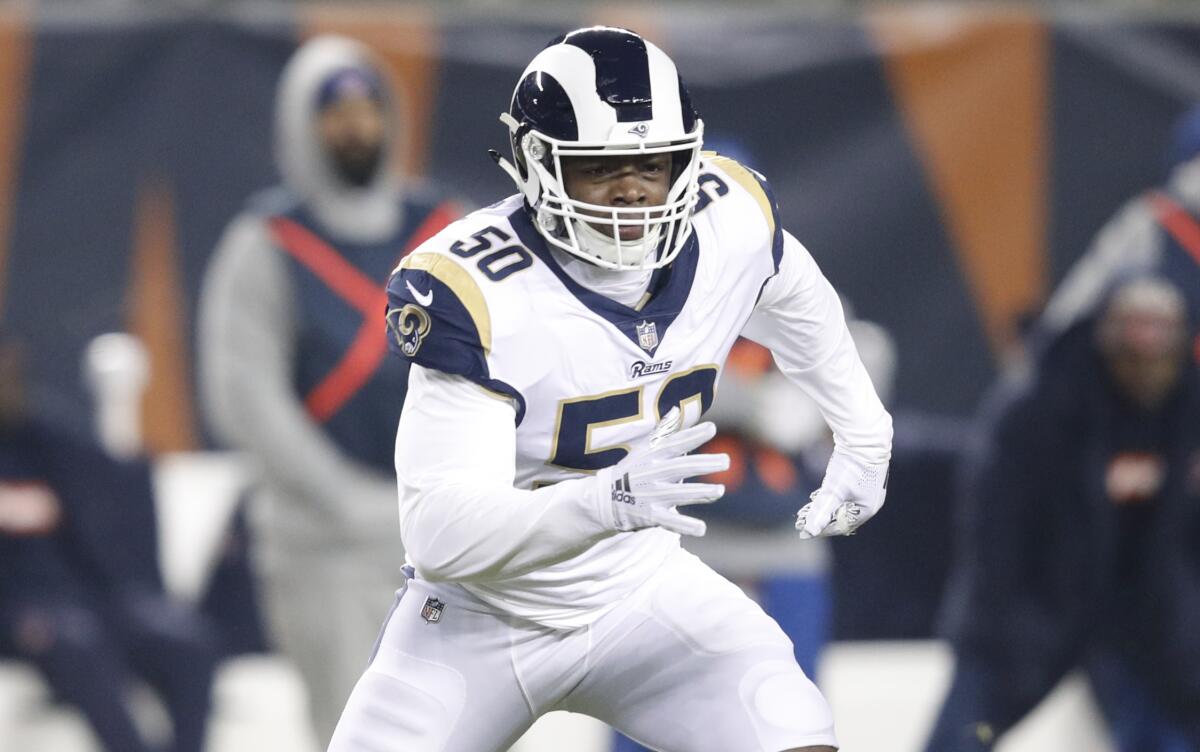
(644,489)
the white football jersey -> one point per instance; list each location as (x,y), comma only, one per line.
(590,377)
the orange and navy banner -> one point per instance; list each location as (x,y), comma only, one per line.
(944,165)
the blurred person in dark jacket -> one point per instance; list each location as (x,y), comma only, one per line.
(80,593)
(1081,542)
(293,367)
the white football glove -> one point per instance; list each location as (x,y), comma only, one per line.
(852,492)
(643,489)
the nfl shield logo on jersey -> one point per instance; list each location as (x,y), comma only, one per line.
(432,610)
(647,334)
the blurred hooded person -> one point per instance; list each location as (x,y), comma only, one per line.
(292,345)
(1079,532)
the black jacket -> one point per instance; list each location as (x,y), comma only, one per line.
(106,542)
(1054,556)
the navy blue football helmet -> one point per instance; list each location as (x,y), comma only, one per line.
(604,89)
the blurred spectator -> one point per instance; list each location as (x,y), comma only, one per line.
(292,350)
(1082,527)
(80,592)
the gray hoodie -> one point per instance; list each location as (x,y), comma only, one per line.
(309,495)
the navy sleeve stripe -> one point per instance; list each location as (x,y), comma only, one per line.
(777,229)
(504,391)
(463,286)
(431,325)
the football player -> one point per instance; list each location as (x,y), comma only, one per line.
(564,343)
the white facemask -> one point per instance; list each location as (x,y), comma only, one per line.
(603,246)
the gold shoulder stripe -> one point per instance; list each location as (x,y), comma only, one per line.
(457,279)
(746,179)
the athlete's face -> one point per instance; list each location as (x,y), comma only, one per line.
(352,130)
(618,181)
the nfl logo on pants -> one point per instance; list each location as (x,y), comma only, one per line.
(647,334)
(432,610)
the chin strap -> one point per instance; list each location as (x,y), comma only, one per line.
(529,187)
(508,168)
(596,243)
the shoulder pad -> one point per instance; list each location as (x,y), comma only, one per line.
(437,316)
(755,184)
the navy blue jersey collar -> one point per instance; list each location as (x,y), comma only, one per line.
(669,288)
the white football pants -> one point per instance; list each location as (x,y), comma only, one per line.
(689,663)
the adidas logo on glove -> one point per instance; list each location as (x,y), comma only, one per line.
(621,491)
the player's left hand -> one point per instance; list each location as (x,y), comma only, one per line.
(852,492)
